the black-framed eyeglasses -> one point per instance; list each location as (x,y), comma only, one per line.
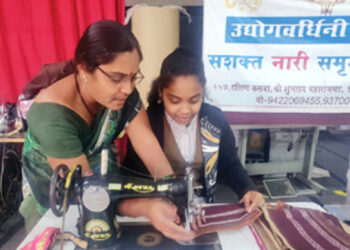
(120,77)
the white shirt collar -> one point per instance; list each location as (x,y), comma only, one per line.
(185,137)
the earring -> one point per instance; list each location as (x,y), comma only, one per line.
(85,78)
(159,101)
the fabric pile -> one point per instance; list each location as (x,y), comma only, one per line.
(287,227)
(281,226)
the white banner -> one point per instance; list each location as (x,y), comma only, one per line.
(278,55)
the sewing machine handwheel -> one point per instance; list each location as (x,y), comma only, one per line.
(58,180)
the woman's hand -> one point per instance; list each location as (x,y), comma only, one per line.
(252,200)
(161,213)
(163,216)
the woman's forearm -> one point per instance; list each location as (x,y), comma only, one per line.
(147,146)
(155,161)
(135,207)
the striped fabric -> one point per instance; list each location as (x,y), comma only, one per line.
(287,227)
(226,217)
(280,226)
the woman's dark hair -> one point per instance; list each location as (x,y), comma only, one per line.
(180,62)
(102,41)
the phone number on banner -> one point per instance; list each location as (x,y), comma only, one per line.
(299,100)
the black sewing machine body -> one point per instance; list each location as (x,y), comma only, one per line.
(97,196)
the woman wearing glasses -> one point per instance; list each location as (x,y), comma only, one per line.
(71,120)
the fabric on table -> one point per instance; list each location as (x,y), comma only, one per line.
(256,237)
(280,226)
(265,235)
(43,240)
(300,228)
(50,237)
(81,244)
(345,227)
(226,217)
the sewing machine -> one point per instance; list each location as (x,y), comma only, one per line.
(97,197)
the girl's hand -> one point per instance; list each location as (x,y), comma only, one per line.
(198,221)
(252,200)
(163,216)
